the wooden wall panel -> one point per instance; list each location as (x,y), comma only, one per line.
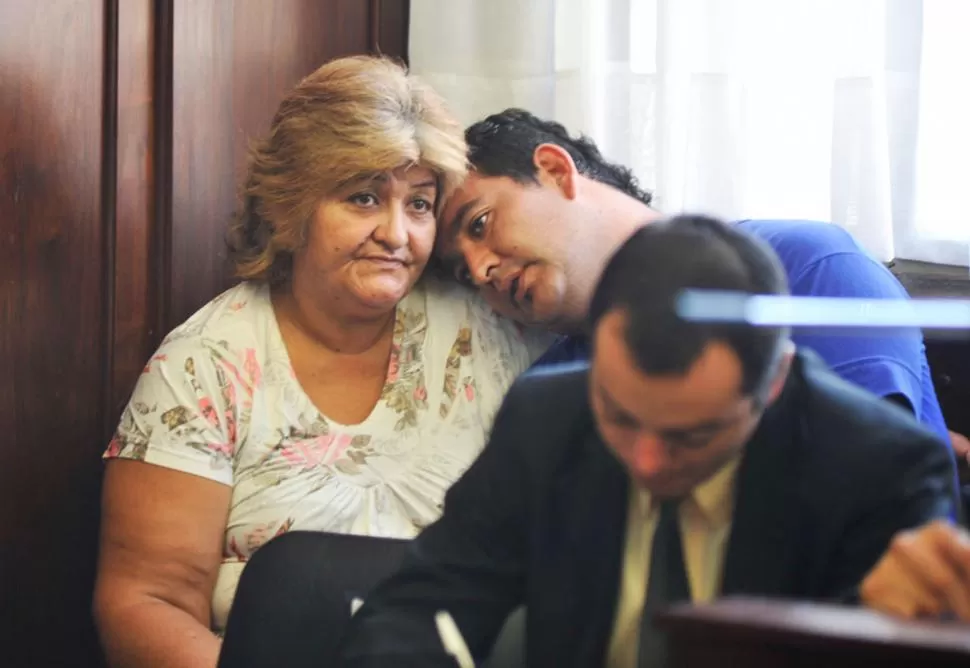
(135,324)
(390,20)
(52,334)
(122,132)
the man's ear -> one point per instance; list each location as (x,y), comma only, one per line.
(555,168)
(781,373)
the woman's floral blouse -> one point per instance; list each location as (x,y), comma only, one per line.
(219,400)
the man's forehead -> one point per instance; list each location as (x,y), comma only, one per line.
(478,185)
(711,383)
(457,202)
(471,188)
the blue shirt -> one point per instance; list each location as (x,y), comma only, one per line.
(825,260)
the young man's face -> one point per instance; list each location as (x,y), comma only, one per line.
(522,245)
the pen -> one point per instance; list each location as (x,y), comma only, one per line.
(452,640)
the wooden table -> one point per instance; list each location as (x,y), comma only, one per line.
(762,633)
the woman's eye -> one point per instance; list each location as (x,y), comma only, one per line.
(422,205)
(476,228)
(364,199)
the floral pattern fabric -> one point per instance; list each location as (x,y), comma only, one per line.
(220,400)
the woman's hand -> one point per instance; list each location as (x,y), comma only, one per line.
(161,546)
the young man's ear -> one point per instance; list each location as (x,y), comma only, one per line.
(555,168)
(781,373)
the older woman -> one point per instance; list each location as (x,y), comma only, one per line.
(330,390)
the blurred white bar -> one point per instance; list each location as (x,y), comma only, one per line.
(834,312)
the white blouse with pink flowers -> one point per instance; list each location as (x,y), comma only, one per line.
(219,400)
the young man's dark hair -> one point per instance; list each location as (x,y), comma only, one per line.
(645,277)
(503,145)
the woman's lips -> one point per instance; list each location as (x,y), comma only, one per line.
(384,260)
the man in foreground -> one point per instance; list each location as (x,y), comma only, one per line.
(686,461)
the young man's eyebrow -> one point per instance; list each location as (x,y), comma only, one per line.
(611,404)
(454,226)
(702,428)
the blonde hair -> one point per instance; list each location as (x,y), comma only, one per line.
(353,117)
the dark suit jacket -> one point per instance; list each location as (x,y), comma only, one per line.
(830,475)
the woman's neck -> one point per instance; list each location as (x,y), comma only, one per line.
(327,327)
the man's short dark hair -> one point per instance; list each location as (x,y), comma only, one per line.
(503,145)
(647,275)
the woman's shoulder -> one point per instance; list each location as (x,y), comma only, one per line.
(443,290)
(448,296)
(450,305)
(238,315)
(230,332)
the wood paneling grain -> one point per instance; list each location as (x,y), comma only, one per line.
(135,331)
(392,28)
(51,334)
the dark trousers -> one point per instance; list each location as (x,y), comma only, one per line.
(292,606)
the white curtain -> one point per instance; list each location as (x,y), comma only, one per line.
(849,111)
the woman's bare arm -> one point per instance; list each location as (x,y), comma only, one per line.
(161,546)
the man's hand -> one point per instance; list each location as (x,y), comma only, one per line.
(961,448)
(925,572)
